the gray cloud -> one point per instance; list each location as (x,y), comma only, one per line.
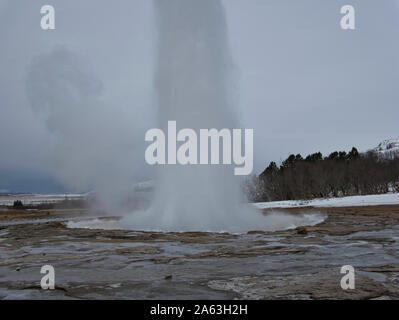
(305,84)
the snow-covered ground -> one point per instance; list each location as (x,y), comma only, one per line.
(369,200)
(36,199)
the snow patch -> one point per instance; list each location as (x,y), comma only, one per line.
(353,201)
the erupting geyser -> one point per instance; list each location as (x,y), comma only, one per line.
(193,82)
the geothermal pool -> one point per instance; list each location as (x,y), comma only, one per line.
(272,221)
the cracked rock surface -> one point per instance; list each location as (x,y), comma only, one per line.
(302,263)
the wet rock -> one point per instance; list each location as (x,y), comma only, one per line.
(256,232)
(321,285)
(162,260)
(258,265)
(301,230)
(137,250)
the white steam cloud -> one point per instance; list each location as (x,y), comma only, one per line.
(98,144)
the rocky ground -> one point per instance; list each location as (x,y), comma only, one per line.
(303,263)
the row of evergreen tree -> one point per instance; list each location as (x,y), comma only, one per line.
(315,176)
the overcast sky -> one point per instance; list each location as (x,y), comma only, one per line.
(304,84)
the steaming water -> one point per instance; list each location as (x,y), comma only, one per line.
(275,221)
(194,82)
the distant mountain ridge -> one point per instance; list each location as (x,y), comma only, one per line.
(388,145)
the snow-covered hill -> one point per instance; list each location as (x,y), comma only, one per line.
(388,146)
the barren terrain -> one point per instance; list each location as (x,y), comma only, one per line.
(303,263)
